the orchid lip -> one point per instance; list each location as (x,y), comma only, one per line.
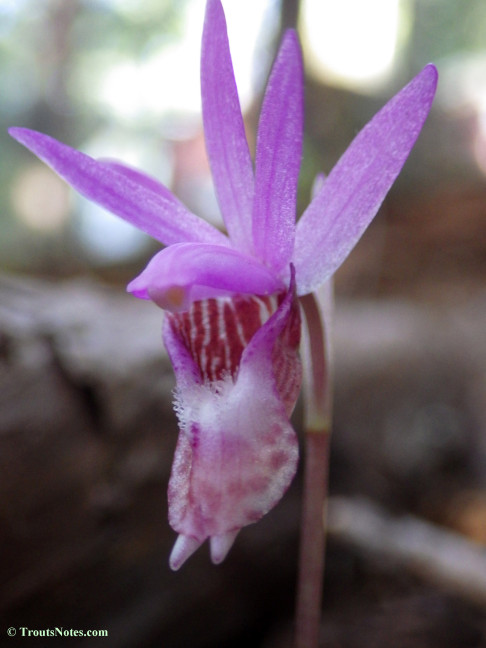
(237,450)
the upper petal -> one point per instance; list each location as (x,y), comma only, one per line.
(278,156)
(139,177)
(183,273)
(224,130)
(156,212)
(352,194)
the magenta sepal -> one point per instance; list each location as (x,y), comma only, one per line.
(224,130)
(128,195)
(278,157)
(352,193)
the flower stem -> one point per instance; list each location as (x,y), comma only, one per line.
(317,412)
(312,543)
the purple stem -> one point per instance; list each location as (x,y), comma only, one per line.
(317,400)
(312,541)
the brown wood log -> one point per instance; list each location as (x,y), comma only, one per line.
(87,434)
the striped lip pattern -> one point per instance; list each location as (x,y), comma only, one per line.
(239,376)
(216,331)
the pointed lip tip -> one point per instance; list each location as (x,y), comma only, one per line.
(220,546)
(183,548)
(176,563)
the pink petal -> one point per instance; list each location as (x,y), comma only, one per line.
(158,213)
(237,452)
(278,156)
(183,273)
(224,130)
(139,177)
(352,194)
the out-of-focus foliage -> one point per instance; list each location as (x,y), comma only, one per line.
(120,78)
(55,57)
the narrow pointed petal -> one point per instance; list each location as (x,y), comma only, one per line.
(220,546)
(237,452)
(183,273)
(183,549)
(158,213)
(224,129)
(278,156)
(354,190)
(139,177)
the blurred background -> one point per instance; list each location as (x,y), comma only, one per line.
(86,428)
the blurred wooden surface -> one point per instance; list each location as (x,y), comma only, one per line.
(86,440)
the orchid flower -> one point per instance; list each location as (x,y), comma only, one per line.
(232,325)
